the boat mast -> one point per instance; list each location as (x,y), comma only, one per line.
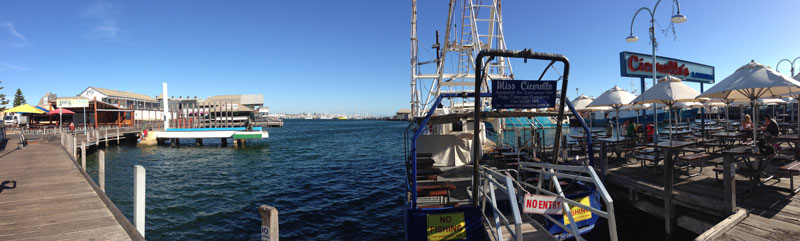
(476,15)
(414,95)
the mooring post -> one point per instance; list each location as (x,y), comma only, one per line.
(669,226)
(73,147)
(729,187)
(224,141)
(604,158)
(269,223)
(117,135)
(138,197)
(83,155)
(199,141)
(101,169)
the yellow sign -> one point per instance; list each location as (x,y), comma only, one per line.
(578,213)
(446,226)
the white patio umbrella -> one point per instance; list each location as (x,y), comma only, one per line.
(795,96)
(668,91)
(753,81)
(683,105)
(636,108)
(788,101)
(615,98)
(580,103)
(771,102)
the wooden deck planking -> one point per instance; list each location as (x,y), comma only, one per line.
(773,214)
(52,199)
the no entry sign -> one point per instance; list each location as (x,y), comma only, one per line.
(541,204)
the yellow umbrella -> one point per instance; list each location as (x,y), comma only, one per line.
(26,108)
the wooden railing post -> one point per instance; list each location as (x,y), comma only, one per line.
(269,223)
(101,169)
(138,197)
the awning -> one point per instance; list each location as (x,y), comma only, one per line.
(26,108)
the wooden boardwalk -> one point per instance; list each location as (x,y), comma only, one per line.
(773,214)
(52,199)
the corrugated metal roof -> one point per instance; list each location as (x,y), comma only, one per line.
(123,94)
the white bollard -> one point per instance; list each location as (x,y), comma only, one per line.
(74,148)
(83,155)
(101,169)
(138,197)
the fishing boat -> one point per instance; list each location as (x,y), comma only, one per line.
(479,167)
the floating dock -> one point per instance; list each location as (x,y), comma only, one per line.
(240,135)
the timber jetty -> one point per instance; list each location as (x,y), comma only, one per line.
(46,195)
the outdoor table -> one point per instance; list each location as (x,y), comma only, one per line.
(679,133)
(670,148)
(754,168)
(679,127)
(615,145)
(793,140)
(727,138)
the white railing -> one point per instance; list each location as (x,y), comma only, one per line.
(577,173)
(505,184)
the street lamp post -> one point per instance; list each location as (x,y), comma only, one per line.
(792,71)
(668,205)
(677,18)
(790,62)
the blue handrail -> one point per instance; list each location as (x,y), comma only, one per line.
(422,126)
(586,129)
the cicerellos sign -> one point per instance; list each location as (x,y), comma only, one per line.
(641,65)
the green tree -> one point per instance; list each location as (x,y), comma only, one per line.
(3,100)
(19,98)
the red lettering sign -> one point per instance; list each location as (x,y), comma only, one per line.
(636,64)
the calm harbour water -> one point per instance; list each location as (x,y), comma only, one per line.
(329,180)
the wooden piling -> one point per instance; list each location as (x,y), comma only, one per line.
(669,221)
(83,155)
(73,148)
(269,223)
(729,184)
(139,181)
(199,141)
(224,141)
(101,169)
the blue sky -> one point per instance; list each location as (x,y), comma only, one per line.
(339,56)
